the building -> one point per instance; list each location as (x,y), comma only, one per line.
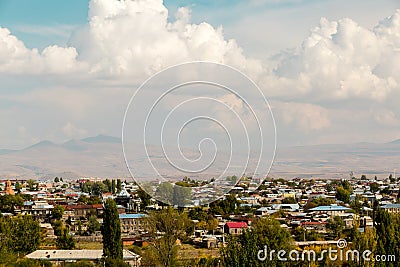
(132,224)
(332,210)
(60,257)
(8,190)
(234,228)
(392,208)
(85,210)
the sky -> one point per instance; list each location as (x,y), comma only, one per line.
(329,68)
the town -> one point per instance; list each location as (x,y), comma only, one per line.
(59,222)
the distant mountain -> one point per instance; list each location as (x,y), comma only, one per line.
(397,142)
(42,144)
(102,139)
(101,156)
(6,151)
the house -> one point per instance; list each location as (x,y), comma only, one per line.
(332,210)
(132,224)
(234,228)
(392,208)
(264,211)
(60,257)
(286,207)
(315,226)
(85,210)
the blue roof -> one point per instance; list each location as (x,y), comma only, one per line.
(132,216)
(391,206)
(329,208)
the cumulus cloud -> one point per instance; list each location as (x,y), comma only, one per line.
(342,60)
(338,63)
(305,117)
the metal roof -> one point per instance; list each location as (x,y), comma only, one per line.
(84,254)
(329,208)
(132,215)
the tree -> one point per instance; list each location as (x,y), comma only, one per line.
(93,224)
(65,240)
(356,204)
(58,212)
(289,200)
(319,201)
(9,202)
(374,187)
(18,187)
(387,227)
(363,177)
(165,193)
(56,180)
(181,196)
(113,186)
(107,183)
(98,188)
(336,226)
(111,230)
(342,194)
(31,184)
(144,197)
(19,234)
(243,251)
(173,226)
(119,185)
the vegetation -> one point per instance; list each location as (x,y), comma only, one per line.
(111,230)
(174,226)
(243,251)
(20,234)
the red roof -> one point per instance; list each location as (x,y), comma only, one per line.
(312,223)
(80,207)
(236,224)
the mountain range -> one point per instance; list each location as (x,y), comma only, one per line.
(101,156)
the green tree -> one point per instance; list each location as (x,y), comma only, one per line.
(111,230)
(98,188)
(56,180)
(386,230)
(31,184)
(336,226)
(65,240)
(9,202)
(165,192)
(107,183)
(119,185)
(93,224)
(243,251)
(374,187)
(342,194)
(173,225)
(58,212)
(181,196)
(144,197)
(20,234)
(113,186)
(18,187)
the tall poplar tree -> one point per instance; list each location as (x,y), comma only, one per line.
(111,230)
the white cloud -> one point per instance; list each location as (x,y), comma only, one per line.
(342,60)
(305,117)
(71,130)
(339,65)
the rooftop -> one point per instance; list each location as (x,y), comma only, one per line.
(84,254)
